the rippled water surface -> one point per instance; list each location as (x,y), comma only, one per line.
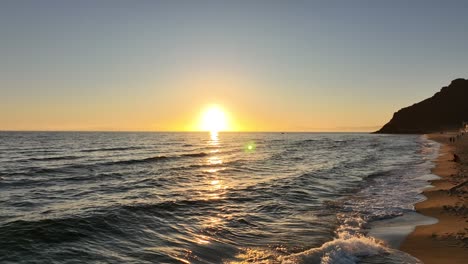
(201,198)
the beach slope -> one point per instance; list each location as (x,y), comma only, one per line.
(447,240)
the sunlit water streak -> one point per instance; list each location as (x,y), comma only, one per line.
(200,198)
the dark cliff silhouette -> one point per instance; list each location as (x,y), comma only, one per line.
(445,110)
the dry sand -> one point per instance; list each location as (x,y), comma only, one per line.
(446,241)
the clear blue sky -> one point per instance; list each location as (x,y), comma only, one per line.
(273,65)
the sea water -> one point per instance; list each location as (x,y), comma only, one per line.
(102,197)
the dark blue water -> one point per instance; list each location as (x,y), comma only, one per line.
(199,198)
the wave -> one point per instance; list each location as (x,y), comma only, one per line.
(157,158)
(137,161)
(345,249)
(169,206)
(17,233)
(98,177)
(377,174)
(36,151)
(348,247)
(92,166)
(195,155)
(54,158)
(111,149)
(305,142)
(106,215)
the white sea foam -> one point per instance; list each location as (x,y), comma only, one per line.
(346,248)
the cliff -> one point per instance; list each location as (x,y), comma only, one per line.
(445,110)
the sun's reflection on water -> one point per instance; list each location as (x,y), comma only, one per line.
(214,160)
(214,138)
(214,182)
(202,239)
(214,170)
(213,188)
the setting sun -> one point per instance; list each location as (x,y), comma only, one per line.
(214,119)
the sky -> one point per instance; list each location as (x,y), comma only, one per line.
(270,65)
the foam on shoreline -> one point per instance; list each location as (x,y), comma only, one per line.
(394,231)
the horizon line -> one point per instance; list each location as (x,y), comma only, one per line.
(183,131)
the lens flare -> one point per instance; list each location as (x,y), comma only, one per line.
(250,147)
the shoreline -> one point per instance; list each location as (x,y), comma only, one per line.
(447,240)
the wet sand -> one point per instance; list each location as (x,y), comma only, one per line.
(447,240)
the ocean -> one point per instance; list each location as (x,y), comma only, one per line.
(123,197)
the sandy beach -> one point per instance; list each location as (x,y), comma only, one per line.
(447,240)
